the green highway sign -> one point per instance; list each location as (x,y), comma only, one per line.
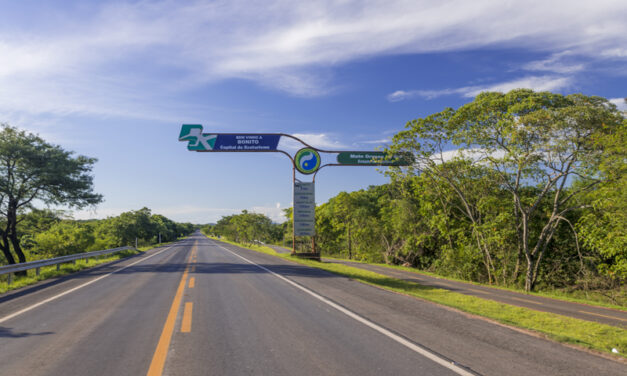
(373,158)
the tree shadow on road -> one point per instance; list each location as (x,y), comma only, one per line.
(231,268)
(9,333)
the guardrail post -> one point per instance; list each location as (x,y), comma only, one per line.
(58,267)
(37,271)
(10,278)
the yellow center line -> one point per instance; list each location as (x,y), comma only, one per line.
(526,301)
(598,314)
(186,324)
(192,282)
(161,352)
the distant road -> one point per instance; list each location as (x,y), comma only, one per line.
(203,307)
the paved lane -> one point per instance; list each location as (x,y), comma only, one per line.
(202,307)
(109,327)
(539,303)
(474,343)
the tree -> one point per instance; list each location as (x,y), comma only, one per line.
(34,222)
(65,238)
(604,228)
(134,224)
(32,169)
(247,228)
(535,144)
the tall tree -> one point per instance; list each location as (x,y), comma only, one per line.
(32,169)
(536,144)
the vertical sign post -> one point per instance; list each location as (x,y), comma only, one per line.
(304,209)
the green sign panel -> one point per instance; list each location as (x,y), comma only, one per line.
(373,158)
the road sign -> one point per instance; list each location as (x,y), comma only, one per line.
(307,161)
(304,210)
(372,158)
(198,141)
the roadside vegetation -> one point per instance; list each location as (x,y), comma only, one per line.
(33,171)
(524,190)
(46,234)
(48,272)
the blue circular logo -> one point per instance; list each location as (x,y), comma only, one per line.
(307,161)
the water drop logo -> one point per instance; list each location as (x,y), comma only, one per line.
(307,161)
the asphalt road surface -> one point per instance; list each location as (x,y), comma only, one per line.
(202,307)
(539,303)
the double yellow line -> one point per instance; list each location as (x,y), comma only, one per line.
(161,353)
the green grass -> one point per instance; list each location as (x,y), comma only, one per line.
(562,329)
(594,299)
(47,272)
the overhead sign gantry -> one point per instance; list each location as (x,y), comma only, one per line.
(306,161)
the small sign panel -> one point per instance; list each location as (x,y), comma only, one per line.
(372,158)
(304,209)
(198,141)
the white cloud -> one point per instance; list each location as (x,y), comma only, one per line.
(401,95)
(555,63)
(275,213)
(381,141)
(620,103)
(615,53)
(537,83)
(318,140)
(114,59)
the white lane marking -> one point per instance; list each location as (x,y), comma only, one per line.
(412,346)
(8,317)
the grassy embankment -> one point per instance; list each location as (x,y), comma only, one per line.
(589,335)
(590,298)
(67,268)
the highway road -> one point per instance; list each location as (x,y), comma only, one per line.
(580,311)
(202,307)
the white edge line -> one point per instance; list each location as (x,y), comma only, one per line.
(15,314)
(412,346)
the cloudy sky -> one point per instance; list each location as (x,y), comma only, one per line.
(115,80)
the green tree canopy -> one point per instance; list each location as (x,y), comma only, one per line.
(535,144)
(33,169)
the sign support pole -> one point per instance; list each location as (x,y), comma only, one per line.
(293,227)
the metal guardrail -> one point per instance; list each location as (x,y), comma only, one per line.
(10,269)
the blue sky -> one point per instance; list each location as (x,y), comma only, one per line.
(115,81)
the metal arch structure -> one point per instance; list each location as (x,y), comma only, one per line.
(202,142)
